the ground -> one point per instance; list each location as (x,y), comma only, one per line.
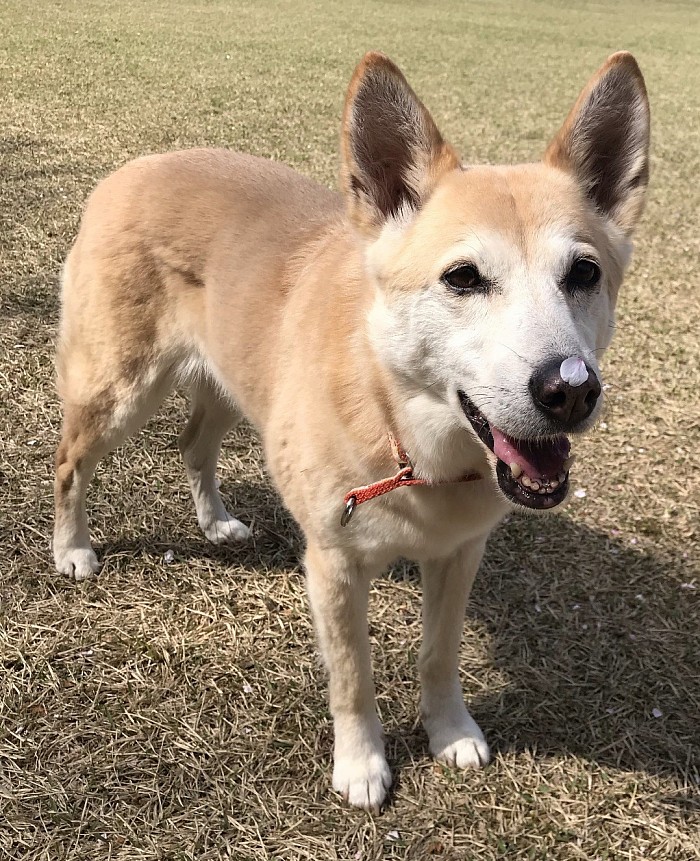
(175,708)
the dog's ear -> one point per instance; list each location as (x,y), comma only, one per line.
(392,151)
(604,141)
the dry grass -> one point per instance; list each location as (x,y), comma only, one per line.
(177,711)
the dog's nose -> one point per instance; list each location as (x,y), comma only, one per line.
(566,390)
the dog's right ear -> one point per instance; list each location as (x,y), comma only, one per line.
(392,151)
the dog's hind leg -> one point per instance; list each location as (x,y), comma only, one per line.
(94,423)
(454,735)
(212,415)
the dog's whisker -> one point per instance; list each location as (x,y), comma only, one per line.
(522,358)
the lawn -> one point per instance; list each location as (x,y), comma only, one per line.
(175,707)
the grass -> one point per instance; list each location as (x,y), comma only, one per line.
(177,710)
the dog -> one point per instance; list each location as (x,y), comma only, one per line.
(414,351)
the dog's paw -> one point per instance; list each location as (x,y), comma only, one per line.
(79,563)
(362,782)
(226,531)
(458,744)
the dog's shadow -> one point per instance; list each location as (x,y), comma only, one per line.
(593,647)
(276,544)
(590,645)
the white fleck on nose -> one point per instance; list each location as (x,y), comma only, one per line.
(573,371)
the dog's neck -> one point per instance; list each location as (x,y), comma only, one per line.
(376,404)
(440,448)
(371,400)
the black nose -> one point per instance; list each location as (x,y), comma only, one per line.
(558,399)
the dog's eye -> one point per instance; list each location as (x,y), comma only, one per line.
(464,279)
(583,275)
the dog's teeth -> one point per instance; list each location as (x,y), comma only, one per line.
(535,485)
(543,490)
(554,484)
(561,477)
(526,481)
(516,470)
(569,462)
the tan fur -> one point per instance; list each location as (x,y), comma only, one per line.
(253,286)
(617,83)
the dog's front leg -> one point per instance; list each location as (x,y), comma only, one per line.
(455,737)
(338,591)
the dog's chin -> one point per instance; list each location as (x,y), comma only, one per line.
(543,499)
(531,474)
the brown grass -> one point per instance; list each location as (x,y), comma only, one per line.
(177,711)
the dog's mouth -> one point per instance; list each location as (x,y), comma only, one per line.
(532,473)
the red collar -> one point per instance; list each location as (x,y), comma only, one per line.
(403,478)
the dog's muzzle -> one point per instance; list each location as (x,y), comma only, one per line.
(531,473)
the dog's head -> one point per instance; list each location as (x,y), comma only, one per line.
(496,286)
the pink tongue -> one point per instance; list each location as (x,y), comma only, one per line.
(537,459)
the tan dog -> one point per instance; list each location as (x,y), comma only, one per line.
(458,309)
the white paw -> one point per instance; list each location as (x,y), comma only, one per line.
(362,782)
(225,531)
(459,744)
(80,563)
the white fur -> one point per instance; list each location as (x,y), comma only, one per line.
(488,345)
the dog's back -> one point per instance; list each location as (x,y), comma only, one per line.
(163,242)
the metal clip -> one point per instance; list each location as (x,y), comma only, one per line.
(349,511)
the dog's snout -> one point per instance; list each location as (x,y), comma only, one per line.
(568,402)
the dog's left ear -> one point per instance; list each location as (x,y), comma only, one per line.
(604,141)
(392,151)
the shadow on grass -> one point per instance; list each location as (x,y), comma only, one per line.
(600,645)
(277,541)
(598,641)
